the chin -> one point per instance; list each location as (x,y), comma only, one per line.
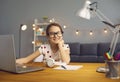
(55,42)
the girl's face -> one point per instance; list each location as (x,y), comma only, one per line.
(55,35)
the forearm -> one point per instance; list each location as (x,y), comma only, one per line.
(28,58)
(32,56)
(64,54)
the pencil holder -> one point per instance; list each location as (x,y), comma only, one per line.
(113,69)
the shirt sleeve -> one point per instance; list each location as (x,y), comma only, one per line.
(41,49)
(66,46)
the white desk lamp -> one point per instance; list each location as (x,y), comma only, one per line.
(85,12)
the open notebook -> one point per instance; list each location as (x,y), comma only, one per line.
(64,66)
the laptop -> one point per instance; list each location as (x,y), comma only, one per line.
(8,57)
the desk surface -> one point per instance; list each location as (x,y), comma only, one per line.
(86,74)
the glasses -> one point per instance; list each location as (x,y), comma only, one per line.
(53,34)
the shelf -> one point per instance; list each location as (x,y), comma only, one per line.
(42,23)
(39,34)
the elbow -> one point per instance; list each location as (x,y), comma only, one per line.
(68,61)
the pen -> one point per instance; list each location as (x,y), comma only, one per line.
(63,67)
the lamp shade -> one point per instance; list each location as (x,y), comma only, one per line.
(85,11)
(23,27)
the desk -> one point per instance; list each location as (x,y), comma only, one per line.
(86,74)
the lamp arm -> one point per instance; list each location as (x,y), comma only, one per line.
(104,19)
(114,44)
(94,3)
(114,28)
(100,15)
(105,22)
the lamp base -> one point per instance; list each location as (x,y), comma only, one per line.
(101,69)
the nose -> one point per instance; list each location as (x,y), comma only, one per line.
(55,35)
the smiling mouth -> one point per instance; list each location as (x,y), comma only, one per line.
(55,39)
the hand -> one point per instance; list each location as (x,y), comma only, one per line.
(21,61)
(61,43)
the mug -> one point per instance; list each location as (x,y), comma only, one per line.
(50,62)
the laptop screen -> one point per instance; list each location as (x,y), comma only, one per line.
(8,56)
(7,53)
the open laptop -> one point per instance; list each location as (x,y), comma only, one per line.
(8,57)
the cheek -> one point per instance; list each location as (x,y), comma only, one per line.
(61,37)
(55,39)
(58,38)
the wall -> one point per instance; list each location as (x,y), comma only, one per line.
(16,12)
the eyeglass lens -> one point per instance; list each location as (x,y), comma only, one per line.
(52,34)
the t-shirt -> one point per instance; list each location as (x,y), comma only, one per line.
(46,53)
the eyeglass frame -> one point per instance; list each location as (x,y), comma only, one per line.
(52,34)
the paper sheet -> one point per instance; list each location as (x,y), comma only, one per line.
(60,63)
(69,67)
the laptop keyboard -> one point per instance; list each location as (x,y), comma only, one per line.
(28,68)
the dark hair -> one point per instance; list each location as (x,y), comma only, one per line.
(53,24)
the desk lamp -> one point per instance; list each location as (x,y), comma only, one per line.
(86,11)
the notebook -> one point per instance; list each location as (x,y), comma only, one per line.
(8,57)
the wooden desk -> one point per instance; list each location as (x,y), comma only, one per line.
(86,74)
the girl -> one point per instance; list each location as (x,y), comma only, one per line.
(55,49)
